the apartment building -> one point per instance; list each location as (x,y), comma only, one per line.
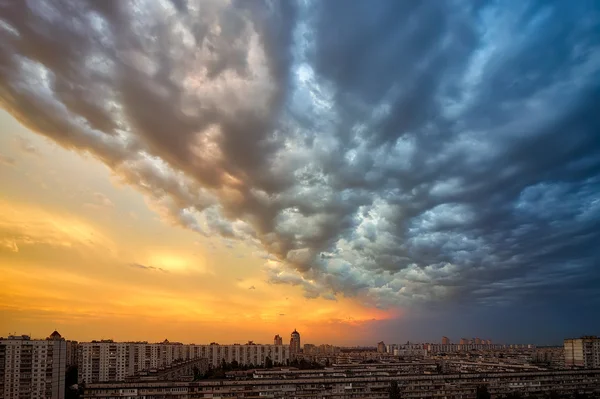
(71,353)
(295,345)
(549,356)
(450,348)
(106,360)
(582,352)
(449,386)
(179,371)
(32,368)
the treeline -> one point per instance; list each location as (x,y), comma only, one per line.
(225,367)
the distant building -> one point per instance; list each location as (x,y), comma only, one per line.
(287,384)
(381,347)
(32,368)
(582,352)
(552,356)
(477,341)
(71,353)
(310,349)
(295,343)
(101,361)
(277,340)
(445,341)
(180,371)
(464,341)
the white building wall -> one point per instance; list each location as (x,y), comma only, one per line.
(114,361)
(36,367)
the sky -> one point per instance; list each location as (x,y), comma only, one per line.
(360,171)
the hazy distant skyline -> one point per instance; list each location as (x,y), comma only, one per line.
(361,171)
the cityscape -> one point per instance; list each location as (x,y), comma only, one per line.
(300,199)
(57,368)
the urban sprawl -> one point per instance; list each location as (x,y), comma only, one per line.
(57,368)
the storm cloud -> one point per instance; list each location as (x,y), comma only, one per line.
(399,152)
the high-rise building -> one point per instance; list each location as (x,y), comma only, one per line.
(32,368)
(582,352)
(381,347)
(277,340)
(445,341)
(101,361)
(310,349)
(464,341)
(71,353)
(295,343)
(477,341)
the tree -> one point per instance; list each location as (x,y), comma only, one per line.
(394,390)
(268,363)
(482,392)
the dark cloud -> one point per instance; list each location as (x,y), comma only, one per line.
(145,267)
(399,152)
(25,146)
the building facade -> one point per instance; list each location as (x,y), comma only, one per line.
(445,341)
(32,368)
(449,386)
(101,361)
(582,352)
(295,343)
(71,353)
(278,340)
(450,348)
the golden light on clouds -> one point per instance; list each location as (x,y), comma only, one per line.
(26,225)
(177,263)
(85,254)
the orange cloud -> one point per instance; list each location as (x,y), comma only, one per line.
(23,225)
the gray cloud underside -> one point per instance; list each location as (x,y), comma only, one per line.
(399,152)
(146,267)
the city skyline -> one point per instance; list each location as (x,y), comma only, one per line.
(362,172)
(278,341)
(56,368)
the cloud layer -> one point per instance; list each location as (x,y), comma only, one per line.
(398,152)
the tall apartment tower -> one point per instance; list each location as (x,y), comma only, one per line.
(582,352)
(381,348)
(295,343)
(33,368)
(106,360)
(445,341)
(277,340)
